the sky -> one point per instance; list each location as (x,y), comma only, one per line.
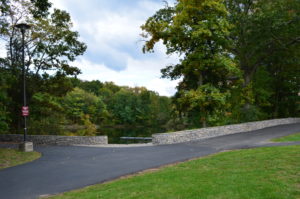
(111,30)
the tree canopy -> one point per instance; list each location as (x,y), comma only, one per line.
(239,61)
(50,46)
(233,53)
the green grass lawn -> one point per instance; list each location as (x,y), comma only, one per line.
(262,173)
(12,157)
(290,138)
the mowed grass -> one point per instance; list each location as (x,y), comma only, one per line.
(290,138)
(262,173)
(12,157)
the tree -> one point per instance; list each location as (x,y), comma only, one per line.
(47,114)
(125,107)
(51,42)
(264,31)
(4,102)
(284,72)
(91,86)
(159,109)
(227,47)
(50,45)
(79,103)
(262,28)
(197,30)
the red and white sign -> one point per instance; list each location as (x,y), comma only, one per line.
(25,111)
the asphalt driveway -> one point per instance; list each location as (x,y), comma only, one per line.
(63,168)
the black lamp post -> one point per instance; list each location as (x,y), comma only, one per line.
(23,27)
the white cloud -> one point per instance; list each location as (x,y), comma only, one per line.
(137,73)
(2,49)
(112,33)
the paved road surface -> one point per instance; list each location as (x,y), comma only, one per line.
(65,168)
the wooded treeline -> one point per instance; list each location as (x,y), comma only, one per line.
(240,61)
(69,106)
(57,101)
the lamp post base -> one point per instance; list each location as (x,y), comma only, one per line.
(26,147)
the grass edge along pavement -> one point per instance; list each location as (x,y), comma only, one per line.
(269,172)
(13,157)
(290,138)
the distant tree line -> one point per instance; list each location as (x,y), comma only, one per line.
(91,104)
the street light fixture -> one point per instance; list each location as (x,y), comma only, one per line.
(26,146)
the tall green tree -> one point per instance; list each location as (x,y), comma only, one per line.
(198,31)
(265,36)
(50,45)
(47,115)
(79,103)
(125,107)
(5,116)
(261,29)
(228,49)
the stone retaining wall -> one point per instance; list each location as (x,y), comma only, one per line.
(203,133)
(55,139)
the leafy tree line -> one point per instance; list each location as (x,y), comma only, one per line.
(59,102)
(239,58)
(239,62)
(93,103)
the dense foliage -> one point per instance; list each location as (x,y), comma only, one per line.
(91,104)
(106,104)
(239,58)
(239,62)
(50,45)
(60,103)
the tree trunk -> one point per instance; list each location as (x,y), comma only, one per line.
(200,83)
(247,79)
(204,124)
